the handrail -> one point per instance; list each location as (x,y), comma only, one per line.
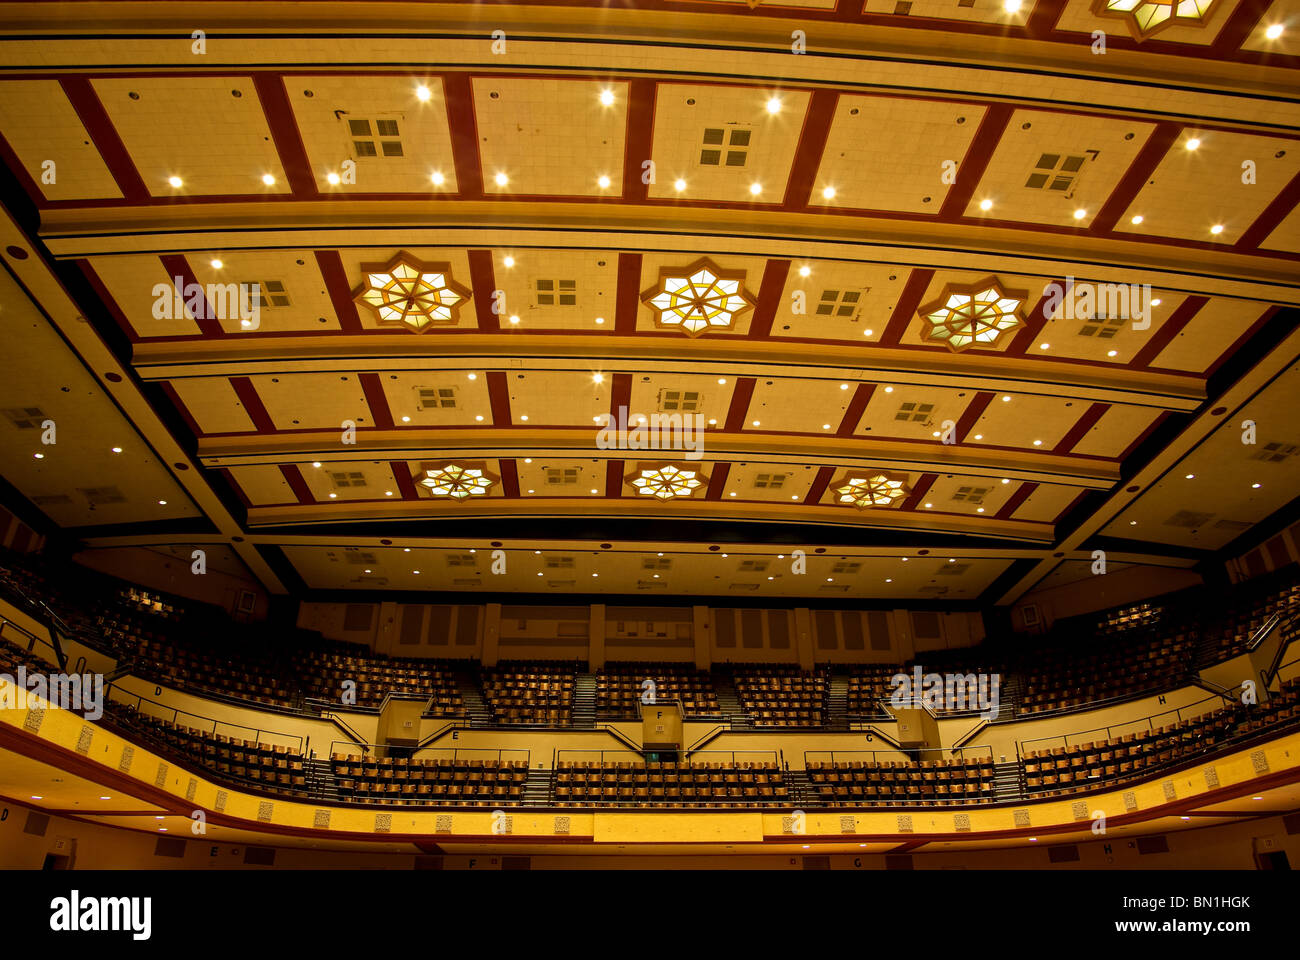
(499,753)
(32,639)
(1216,688)
(1262,633)
(342,725)
(42,614)
(959,751)
(961,741)
(765,754)
(712,734)
(1267,676)
(176,714)
(1065,738)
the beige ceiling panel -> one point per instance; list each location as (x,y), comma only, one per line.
(563,398)
(437,398)
(265,484)
(1118,429)
(214,405)
(351,480)
(1026,421)
(1214,329)
(43,128)
(838,301)
(557,289)
(556,477)
(285,285)
(143,291)
(775,482)
(799,406)
(1046,503)
(314,401)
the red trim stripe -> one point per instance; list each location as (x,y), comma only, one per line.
(336,284)
(614,479)
(1016,499)
(509,478)
(976,161)
(1153,152)
(283,125)
(638,140)
(458,94)
(1273,215)
(769,299)
(740,398)
(857,407)
(252,404)
(812,144)
(918,281)
(974,410)
(1168,330)
(297,484)
(919,491)
(405,481)
(819,485)
(627,295)
(718,481)
(177,265)
(373,389)
(1081,427)
(483,283)
(499,395)
(81,94)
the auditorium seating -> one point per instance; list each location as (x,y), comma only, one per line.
(619,690)
(638,784)
(951,782)
(1228,637)
(323,674)
(530,693)
(782,696)
(1059,679)
(386,780)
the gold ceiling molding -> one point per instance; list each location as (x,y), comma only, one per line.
(665,481)
(406,292)
(698,298)
(871,488)
(1147,17)
(459,482)
(973,315)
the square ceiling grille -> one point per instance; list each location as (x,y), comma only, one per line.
(953,569)
(914,412)
(753,566)
(846,566)
(348,479)
(52,500)
(375,138)
(98,496)
(264,294)
(1276,452)
(652,584)
(834,588)
(559,563)
(1103,328)
(974,495)
(936,590)
(461,559)
(1055,171)
(467,582)
(744,586)
(685,401)
(1189,519)
(360,558)
(436,398)
(656,563)
(720,145)
(561,476)
(839,303)
(552,293)
(25,418)
(769,481)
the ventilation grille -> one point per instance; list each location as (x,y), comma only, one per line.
(753,566)
(684,401)
(1276,452)
(437,398)
(934,589)
(1055,171)
(25,418)
(265,293)
(953,569)
(846,566)
(744,586)
(98,496)
(349,479)
(377,138)
(371,581)
(1103,328)
(1190,519)
(551,293)
(656,563)
(651,585)
(561,476)
(914,412)
(467,582)
(973,495)
(561,583)
(52,500)
(839,303)
(769,481)
(721,147)
(461,559)
(360,558)
(559,563)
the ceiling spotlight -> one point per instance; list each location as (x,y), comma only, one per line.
(423,93)
(604,183)
(514,318)
(528,459)
(438,178)
(829,193)
(176,182)
(679,185)
(713,423)
(117,449)
(986,204)
(889,579)
(162,503)
(1190,476)
(1192,144)
(508,262)
(889,389)
(1011,6)
(1044,346)
(979,436)
(1080,213)
(388,493)
(316,464)
(1005,480)
(1137,219)
(501,179)
(39,456)
(979,509)
(805,271)
(1112,353)
(597,378)
(1038,443)
(1254,486)
(607,97)
(774,105)
(333,179)
(268,179)
(755,423)
(473,376)
(1274,31)
(216,264)
(593,489)
(722,381)
(755,188)
(1216,229)
(1006,398)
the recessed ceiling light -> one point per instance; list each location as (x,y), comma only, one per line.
(952,560)
(733,493)
(889,580)
(406,419)
(1038,443)
(1155,302)
(532,491)
(929,505)
(176,182)
(1044,346)
(1192,144)
(1006,398)
(844,386)
(406,550)
(600,319)
(679,185)
(607,97)
(423,93)
(905,559)
(106,798)
(388,493)
(826,426)
(755,423)
(514,318)
(438,178)
(595,574)
(1254,486)
(722,381)
(501,179)
(774,105)
(794,496)
(979,436)
(162,503)
(1005,480)
(1190,476)
(1137,219)
(216,264)
(524,417)
(415,571)
(986,204)
(866,333)
(936,433)
(1080,213)
(1011,6)
(603,182)
(1112,353)
(316,464)
(829,193)
(479,417)
(597,378)
(473,376)
(1274,31)
(755,188)
(805,271)
(1132,523)
(333,179)
(333,496)
(39,456)
(42,798)
(509,262)
(889,389)
(830,579)
(1216,229)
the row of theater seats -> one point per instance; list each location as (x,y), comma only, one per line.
(874,783)
(783,697)
(639,784)
(271,767)
(420,781)
(323,676)
(620,690)
(1228,638)
(1064,769)
(538,693)
(1063,679)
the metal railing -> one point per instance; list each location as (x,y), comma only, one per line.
(736,756)
(452,753)
(1177,713)
(978,752)
(160,711)
(33,642)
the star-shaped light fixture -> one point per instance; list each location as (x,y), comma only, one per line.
(406,292)
(698,298)
(1145,17)
(666,482)
(975,315)
(457,482)
(871,489)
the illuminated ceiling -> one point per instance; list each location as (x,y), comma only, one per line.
(781,270)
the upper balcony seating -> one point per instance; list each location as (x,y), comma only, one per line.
(322,676)
(533,693)
(385,780)
(1061,679)
(619,690)
(952,782)
(783,696)
(637,784)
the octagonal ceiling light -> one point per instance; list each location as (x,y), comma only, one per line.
(1145,17)
(410,293)
(698,298)
(973,315)
(458,482)
(666,482)
(871,488)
